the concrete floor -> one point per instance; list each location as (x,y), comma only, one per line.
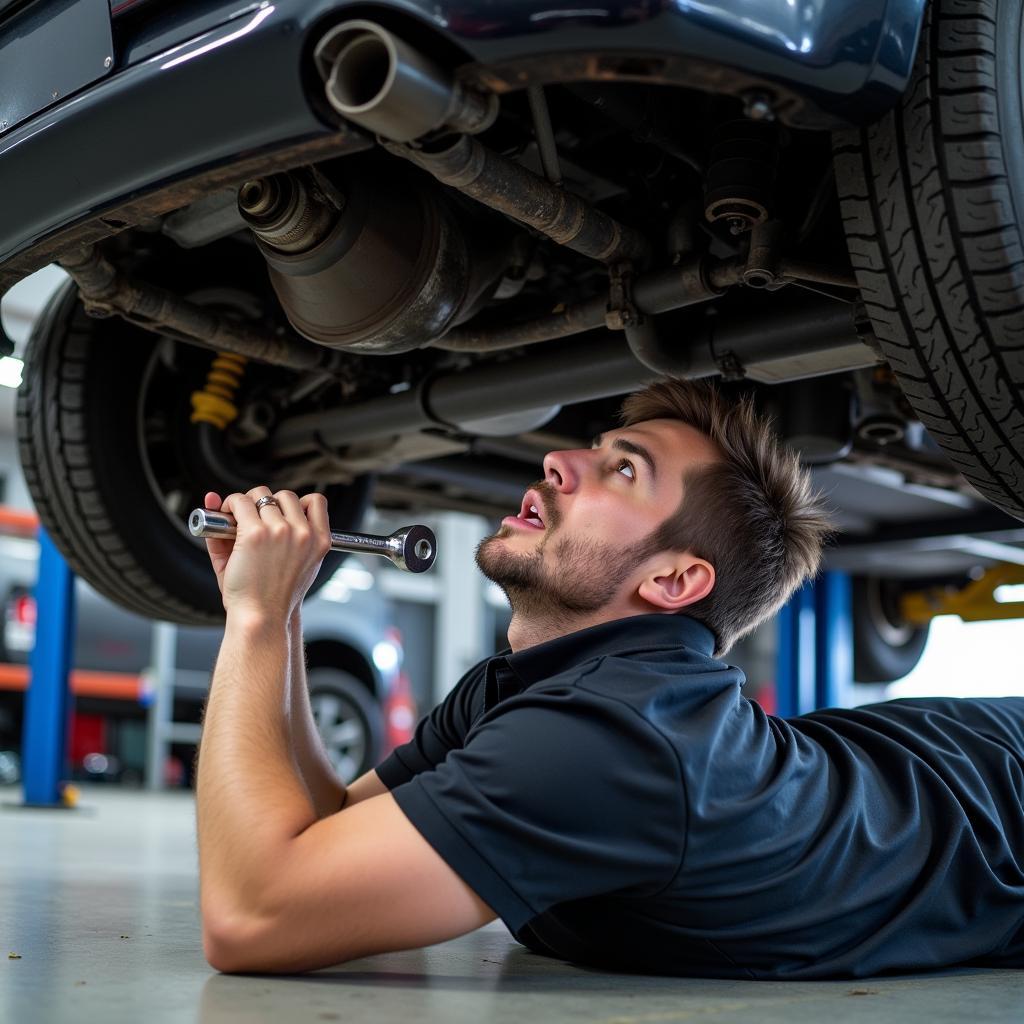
(101,905)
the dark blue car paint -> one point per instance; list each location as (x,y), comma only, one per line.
(30,80)
(237,89)
(232,91)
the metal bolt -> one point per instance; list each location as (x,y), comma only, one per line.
(56,93)
(107,61)
(737,225)
(758,106)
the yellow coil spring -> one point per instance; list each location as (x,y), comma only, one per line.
(215,403)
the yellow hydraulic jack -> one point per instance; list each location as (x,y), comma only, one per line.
(975,602)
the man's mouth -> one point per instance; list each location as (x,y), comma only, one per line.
(529,514)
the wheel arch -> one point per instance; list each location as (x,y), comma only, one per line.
(334,653)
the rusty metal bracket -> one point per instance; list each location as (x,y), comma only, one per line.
(765,268)
(621,311)
(762,265)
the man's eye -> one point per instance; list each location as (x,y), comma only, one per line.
(625,463)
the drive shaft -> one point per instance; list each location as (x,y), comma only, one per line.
(412,548)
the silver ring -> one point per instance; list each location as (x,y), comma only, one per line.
(267,499)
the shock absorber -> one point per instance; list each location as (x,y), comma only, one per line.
(215,403)
(740,184)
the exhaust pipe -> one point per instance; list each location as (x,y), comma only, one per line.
(577,371)
(377,81)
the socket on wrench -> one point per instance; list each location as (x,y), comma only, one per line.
(412,548)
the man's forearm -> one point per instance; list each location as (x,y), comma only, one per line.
(326,790)
(250,799)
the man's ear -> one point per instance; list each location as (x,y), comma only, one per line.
(674,585)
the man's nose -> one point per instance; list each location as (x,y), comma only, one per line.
(564,470)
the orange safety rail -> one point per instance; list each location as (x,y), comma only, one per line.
(17,523)
(110,685)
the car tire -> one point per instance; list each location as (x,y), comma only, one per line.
(349,720)
(82,442)
(932,201)
(885,648)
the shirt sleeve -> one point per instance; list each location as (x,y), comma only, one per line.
(437,733)
(559,794)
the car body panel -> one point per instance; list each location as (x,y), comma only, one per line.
(30,80)
(200,87)
(852,56)
(153,122)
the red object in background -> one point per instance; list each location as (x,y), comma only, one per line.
(88,736)
(399,714)
(23,610)
(765,696)
(174,772)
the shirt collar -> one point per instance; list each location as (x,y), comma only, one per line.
(509,674)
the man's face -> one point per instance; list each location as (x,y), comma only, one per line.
(584,549)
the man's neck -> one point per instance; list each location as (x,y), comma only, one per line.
(528,631)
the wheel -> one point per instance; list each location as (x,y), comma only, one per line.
(885,648)
(348,719)
(10,767)
(933,205)
(114,465)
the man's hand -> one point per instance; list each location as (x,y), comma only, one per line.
(274,557)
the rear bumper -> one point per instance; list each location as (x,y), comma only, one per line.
(186,117)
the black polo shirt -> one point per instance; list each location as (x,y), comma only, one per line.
(618,802)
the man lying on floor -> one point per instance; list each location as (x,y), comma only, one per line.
(604,786)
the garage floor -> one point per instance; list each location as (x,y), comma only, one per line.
(100,903)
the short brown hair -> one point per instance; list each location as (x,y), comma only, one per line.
(753,515)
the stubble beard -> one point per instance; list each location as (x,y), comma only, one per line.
(585,576)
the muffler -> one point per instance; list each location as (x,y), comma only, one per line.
(368,260)
(381,83)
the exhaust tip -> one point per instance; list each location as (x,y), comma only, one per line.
(358,61)
(363,72)
(384,85)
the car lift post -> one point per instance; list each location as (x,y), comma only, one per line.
(814,660)
(48,699)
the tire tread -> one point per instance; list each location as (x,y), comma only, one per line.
(937,247)
(55,456)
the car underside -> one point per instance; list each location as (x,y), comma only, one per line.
(472,260)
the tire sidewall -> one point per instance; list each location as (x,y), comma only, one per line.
(354,695)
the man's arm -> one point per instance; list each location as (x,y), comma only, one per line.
(326,790)
(250,799)
(279,889)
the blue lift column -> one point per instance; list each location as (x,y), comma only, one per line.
(814,661)
(48,700)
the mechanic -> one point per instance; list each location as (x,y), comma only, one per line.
(604,786)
